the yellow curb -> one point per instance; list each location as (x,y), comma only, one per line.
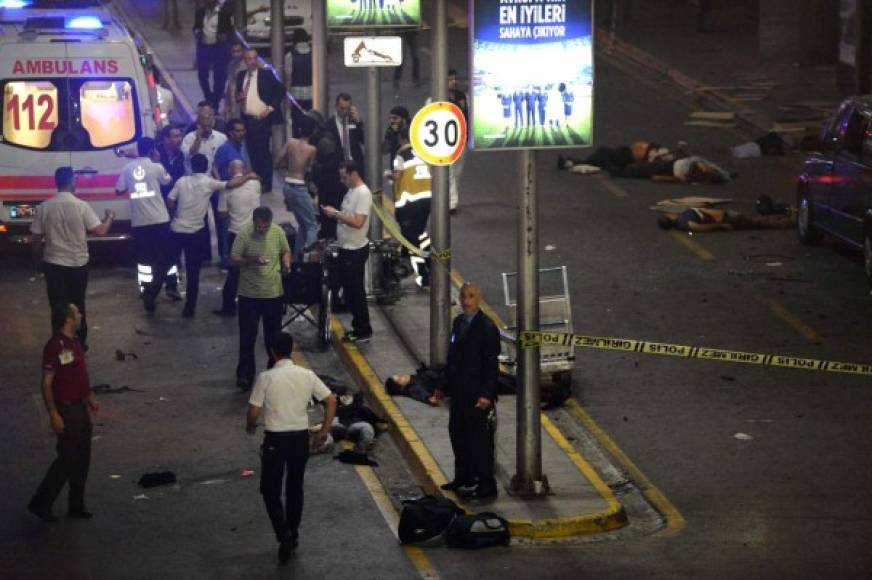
(427,469)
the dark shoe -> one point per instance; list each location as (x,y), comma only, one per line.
(243,384)
(560,161)
(188,312)
(352,337)
(148,302)
(173,294)
(45,515)
(456,485)
(222,312)
(285,551)
(481,493)
(80,514)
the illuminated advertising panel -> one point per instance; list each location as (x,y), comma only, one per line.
(373,13)
(532,74)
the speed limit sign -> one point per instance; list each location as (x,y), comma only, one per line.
(438,133)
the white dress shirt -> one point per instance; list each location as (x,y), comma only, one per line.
(64,220)
(284,393)
(240,204)
(192,193)
(208,146)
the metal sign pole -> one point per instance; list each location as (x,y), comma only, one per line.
(319,56)
(277,52)
(440,231)
(373,165)
(529,479)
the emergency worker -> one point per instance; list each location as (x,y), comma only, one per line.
(412,194)
(142,179)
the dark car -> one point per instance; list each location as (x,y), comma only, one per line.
(834,193)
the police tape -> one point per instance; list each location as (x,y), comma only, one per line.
(533,339)
(390,224)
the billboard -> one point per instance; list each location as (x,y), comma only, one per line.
(532,74)
(373,13)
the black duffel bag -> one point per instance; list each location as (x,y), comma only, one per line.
(424,520)
(483,530)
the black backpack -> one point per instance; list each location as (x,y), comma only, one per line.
(425,519)
(483,530)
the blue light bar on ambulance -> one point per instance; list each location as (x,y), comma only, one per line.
(84,23)
(13,3)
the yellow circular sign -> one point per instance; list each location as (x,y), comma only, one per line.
(438,133)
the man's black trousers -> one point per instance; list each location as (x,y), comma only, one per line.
(154,248)
(284,454)
(472,439)
(257,136)
(195,246)
(352,267)
(71,464)
(250,311)
(212,58)
(65,285)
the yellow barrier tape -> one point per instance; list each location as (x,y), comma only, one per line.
(531,339)
(440,256)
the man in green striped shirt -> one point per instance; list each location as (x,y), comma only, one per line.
(262,254)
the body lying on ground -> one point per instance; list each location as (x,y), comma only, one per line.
(704,219)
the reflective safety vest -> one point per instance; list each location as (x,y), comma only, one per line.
(413,182)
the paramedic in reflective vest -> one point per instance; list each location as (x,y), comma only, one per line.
(66,392)
(60,231)
(284,393)
(142,179)
(412,193)
(471,372)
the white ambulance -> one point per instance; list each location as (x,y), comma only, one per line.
(76,86)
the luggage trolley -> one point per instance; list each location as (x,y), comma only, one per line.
(308,285)
(555,315)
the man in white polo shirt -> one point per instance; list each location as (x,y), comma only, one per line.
(283,393)
(237,208)
(149,220)
(60,228)
(189,201)
(351,233)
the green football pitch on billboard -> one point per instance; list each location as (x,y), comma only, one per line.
(366,13)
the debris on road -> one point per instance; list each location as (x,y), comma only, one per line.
(157,478)
(742,437)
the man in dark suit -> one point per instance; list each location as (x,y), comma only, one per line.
(347,126)
(470,380)
(260,95)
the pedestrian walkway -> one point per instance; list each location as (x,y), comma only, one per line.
(579,503)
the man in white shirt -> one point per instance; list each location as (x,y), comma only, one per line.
(204,139)
(60,228)
(351,233)
(237,207)
(141,179)
(283,393)
(189,202)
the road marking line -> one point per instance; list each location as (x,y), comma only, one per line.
(674,520)
(792,320)
(611,186)
(382,501)
(685,240)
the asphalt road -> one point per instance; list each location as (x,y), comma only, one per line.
(790,502)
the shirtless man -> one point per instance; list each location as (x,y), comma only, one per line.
(298,156)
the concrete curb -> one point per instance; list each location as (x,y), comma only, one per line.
(425,467)
(747,116)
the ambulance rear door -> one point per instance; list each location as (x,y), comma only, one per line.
(32,132)
(110,106)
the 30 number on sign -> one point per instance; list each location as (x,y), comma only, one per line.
(438,133)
